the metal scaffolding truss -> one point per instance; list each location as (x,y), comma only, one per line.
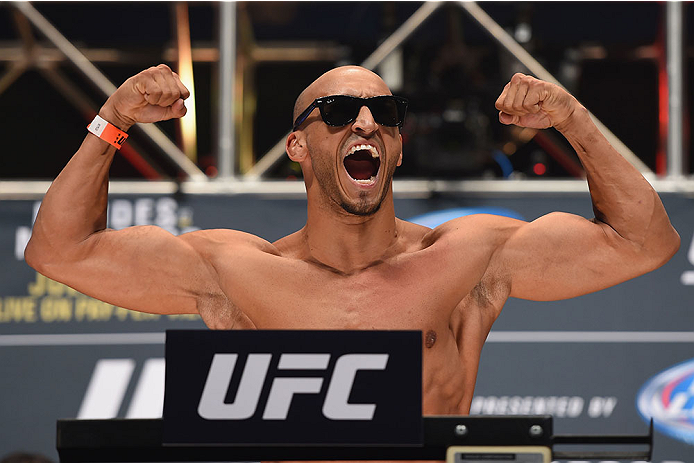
(151,131)
(229,181)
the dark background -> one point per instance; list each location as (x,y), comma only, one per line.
(606,54)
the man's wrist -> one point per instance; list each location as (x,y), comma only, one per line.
(112,117)
(107,132)
(577,117)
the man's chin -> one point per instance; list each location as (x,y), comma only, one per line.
(361,209)
(364,206)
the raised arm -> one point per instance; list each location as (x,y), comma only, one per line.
(562,255)
(142,268)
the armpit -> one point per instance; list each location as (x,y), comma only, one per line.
(219,313)
(487,297)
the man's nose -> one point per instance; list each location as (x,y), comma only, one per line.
(364,123)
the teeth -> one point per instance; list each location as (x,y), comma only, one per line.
(366,181)
(370,148)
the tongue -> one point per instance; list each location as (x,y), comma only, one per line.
(360,165)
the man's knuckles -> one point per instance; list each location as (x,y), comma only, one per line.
(500,102)
(518,108)
(519,104)
(160,93)
(527,96)
(517,77)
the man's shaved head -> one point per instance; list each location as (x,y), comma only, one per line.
(330,84)
(322,150)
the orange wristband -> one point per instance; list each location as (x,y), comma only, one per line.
(107,132)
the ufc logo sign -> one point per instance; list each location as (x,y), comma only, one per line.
(292,387)
(212,404)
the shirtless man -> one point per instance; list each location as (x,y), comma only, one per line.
(354,265)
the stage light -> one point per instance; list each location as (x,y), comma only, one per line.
(185,72)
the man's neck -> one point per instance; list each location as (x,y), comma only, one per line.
(348,243)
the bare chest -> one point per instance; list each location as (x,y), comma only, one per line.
(373,300)
(409,292)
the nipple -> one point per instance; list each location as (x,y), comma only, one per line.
(430,339)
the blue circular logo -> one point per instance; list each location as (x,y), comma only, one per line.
(668,398)
(436,218)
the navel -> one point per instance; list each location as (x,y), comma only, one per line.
(430,339)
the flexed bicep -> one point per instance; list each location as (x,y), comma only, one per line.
(561,255)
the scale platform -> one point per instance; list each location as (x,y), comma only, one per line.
(457,439)
(316,395)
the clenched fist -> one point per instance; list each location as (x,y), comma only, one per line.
(529,102)
(155,94)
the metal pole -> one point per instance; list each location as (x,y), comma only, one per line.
(400,35)
(107,88)
(227,69)
(505,39)
(391,43)
(675,72)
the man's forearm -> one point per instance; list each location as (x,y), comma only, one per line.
(75,205)
(622,197)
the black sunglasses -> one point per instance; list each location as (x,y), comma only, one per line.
(339,110)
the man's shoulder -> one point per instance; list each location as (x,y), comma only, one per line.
(476,227)
(214,240)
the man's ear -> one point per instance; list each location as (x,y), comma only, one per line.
(296,147)
(400,156)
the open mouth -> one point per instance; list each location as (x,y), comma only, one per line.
(362,163)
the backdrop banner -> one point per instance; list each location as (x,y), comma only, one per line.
(604,363)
